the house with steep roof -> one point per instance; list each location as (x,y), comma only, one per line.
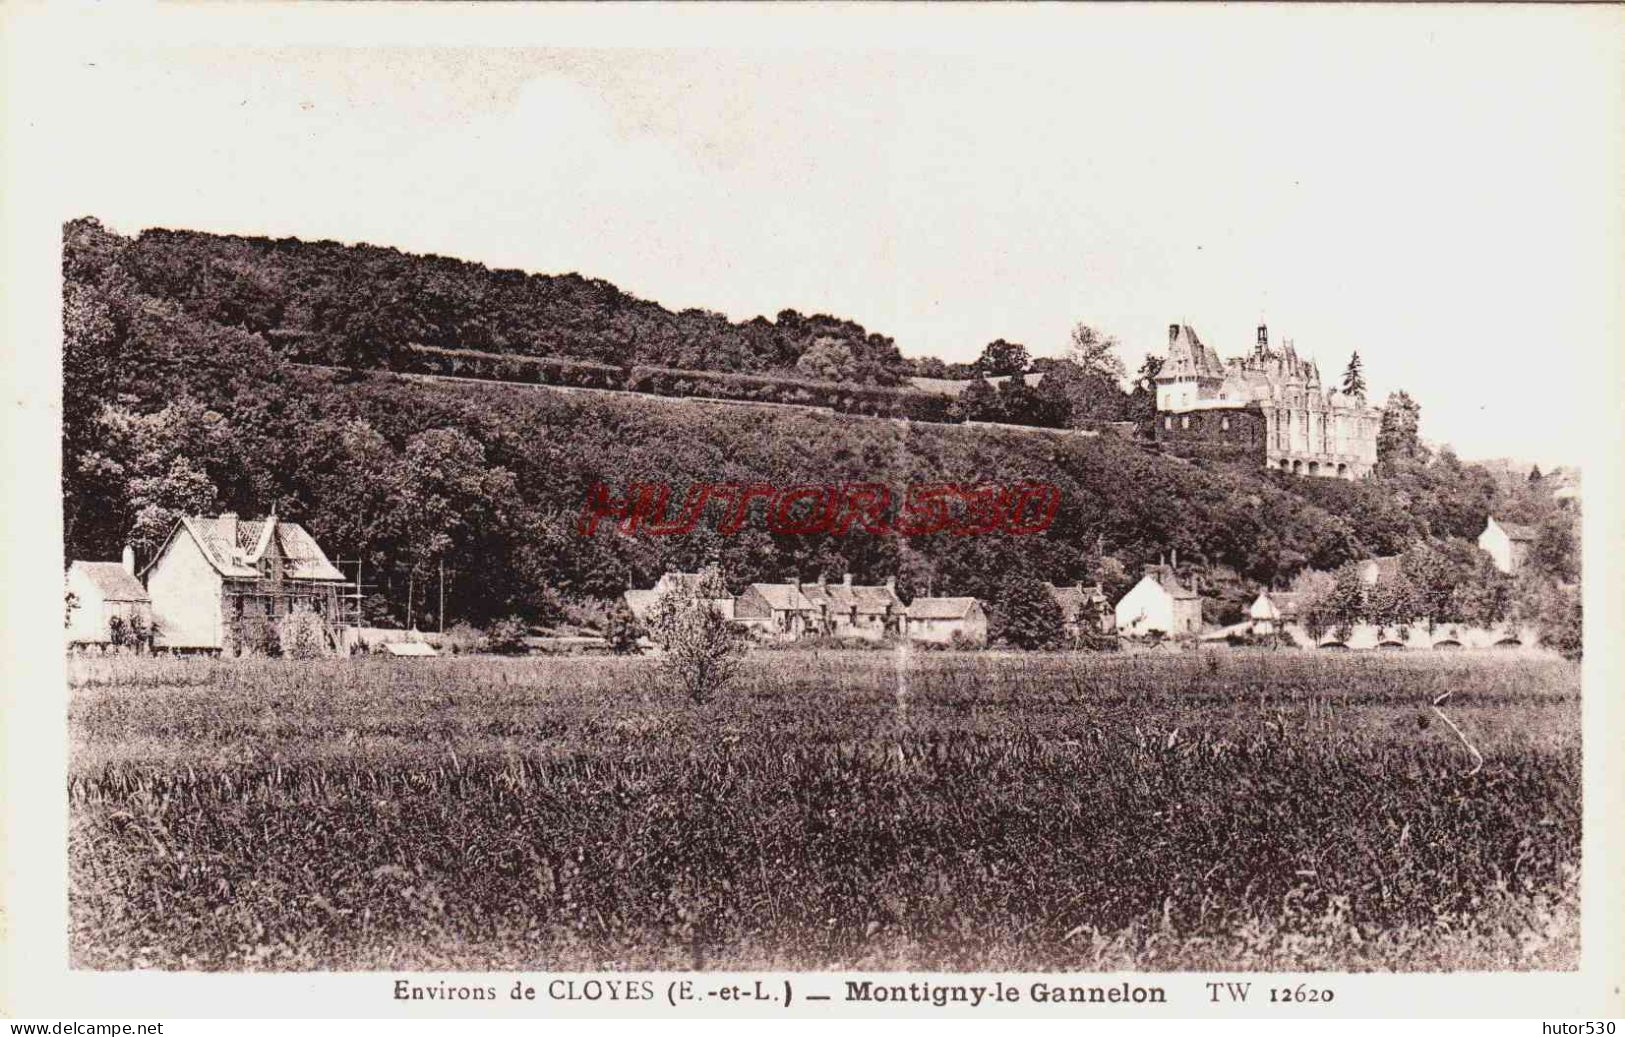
(1160,603)
(944,620)
(223,584)
(1272,611)
(846,609)
(1507,543)
(109,604)
(640,600)
(1084,610)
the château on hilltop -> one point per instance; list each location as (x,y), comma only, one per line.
(1268,406)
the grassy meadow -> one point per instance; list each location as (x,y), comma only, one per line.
(1209,810)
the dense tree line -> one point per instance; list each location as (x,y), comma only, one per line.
(357,305)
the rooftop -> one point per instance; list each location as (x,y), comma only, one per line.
(941,608)
(112,580)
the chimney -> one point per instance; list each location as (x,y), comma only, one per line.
(1263,338)
(821,579)
(891,583)
(228,529)
(129,559)
(1173,333)
(794,580)
(846,579)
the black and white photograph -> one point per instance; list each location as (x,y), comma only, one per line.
(1096,496)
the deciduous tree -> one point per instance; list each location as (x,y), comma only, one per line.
(1001,358)
(1026,615)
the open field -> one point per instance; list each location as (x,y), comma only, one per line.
(1234,810)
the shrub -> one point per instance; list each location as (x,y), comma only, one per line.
(462,639)
(507,636)
(301,634)
(140,635)
(621,630)
(1096,641)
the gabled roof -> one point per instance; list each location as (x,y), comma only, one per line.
(238,554)
(1164,577)
(941,608)
(1073,599)
(873,600)
(111,580)
(688,583)
(865,600)
(1287,602)
(1517,532)
(1188,354)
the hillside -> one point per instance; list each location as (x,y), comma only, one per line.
(174,403)
(357,303)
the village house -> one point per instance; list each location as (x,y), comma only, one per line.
(778,610)
(1507,544)
(1085,611)
(223,584)
(856,610)
(1159,603)
(944,620)
(641,601)
(1271,611)
(110,606)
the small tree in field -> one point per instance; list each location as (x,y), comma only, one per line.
(621,630)
(703,650)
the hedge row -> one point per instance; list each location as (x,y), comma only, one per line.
(466,363)
(847,399)
(667,381)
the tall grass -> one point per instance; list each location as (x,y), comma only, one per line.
(1226,810)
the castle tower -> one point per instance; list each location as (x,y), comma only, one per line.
(1191,372)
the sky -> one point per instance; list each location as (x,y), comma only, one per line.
(1437,188)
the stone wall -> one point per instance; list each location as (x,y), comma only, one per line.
(1238,434)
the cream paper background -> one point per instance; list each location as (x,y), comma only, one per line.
(44,46)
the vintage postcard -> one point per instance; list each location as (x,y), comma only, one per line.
(816,511)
